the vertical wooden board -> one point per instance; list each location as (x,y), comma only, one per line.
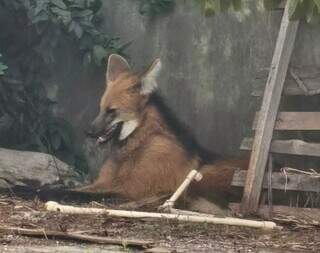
(269,109)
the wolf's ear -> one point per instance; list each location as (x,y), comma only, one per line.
(116,65)
(148,80)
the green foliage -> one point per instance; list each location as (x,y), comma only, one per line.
(78,18)
(155,7)
(3,67)
(271,4)
(32,124)
(308,10)
(211,7)
(27,119)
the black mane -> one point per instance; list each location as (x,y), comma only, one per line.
(183,135)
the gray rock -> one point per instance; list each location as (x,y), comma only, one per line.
(36,170)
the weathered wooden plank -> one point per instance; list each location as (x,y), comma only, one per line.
(309,76)
(291,181)
(304,215)
(291,88)
(269,108)
(291,147)
(304,72)
(293,121)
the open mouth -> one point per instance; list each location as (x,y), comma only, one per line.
(108,134)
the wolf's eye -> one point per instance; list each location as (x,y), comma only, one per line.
(110,111)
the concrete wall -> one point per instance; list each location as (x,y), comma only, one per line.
(209,66)
(209,63)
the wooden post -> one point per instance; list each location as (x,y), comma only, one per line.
(268,112)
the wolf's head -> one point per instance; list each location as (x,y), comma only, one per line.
(125,97)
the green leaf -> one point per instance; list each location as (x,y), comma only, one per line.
(59,3)
(209,7)
(224,4)
(237,5)
(153,7)
(99,54)
(77,30)
(297,9)
(317,2)
(271,4)
(77,6)
(61,13)
(94,5)
(40,17)
(40,6)
(123,47)
(2,68)
(312,15)
(80,14)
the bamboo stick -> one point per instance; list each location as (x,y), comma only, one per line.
(56,207)
(193,175)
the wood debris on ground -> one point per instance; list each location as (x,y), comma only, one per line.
(167,235)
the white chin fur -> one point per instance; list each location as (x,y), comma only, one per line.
(128,128)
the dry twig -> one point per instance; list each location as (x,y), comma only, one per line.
(76,236)
(311,173)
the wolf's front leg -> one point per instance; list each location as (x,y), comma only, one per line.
(103,182)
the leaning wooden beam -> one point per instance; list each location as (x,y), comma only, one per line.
(281,181)
(269,108)
(55,207)
(75,236)
(293,121)
(193,175)
(292,147)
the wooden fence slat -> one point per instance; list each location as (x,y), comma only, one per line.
(293,121)
(290,89)
(269,109)
(290,182)
(291,147)
(309,76)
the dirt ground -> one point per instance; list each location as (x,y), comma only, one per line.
(168,236)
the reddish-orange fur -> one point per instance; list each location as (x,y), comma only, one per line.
(152,161)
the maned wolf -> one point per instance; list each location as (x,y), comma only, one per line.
(148,158)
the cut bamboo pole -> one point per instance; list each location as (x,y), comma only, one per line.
(56,207)
(193,175)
